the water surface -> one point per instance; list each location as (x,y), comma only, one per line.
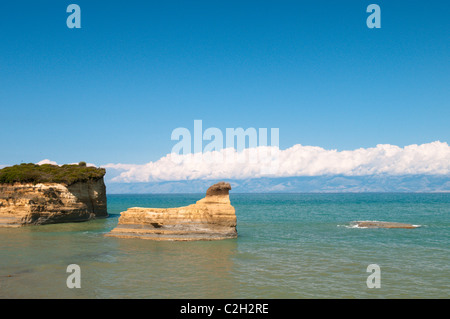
(289,246)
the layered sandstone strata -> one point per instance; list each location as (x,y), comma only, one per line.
(210,218)
(48,203)
(377,224)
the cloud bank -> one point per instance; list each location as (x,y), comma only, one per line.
(298,160)
(47,161)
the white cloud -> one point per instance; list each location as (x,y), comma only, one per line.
(46,161)
(298,160)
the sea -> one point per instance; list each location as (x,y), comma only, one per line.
(289,246)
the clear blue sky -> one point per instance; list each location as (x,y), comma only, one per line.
(113,91)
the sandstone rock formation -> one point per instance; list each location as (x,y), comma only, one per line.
(210,218)
(47,203)
(376,224)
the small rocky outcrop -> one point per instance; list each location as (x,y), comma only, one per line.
(377,224)
(210,218)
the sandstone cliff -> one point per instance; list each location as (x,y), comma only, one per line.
(47,203)
(210,218)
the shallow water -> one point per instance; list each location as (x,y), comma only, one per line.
(289,246)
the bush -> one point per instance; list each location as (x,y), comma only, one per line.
(47,173)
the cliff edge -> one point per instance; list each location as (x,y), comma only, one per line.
(210,218)
(46,194)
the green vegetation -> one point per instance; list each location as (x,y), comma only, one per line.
(47,173)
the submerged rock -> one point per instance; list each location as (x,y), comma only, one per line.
(210,218)
(377,224)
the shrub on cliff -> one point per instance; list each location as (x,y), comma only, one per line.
(47,173)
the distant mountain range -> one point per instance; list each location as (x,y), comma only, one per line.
(314,184)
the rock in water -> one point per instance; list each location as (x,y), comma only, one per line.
(376,224)
(210,218)
(48,203)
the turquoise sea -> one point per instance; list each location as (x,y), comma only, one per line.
(289,246)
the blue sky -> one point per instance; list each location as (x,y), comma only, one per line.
(113,91)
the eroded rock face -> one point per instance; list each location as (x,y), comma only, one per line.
(210,218)
(220,188)
(377,224)
(49,203)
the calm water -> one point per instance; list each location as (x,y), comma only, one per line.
(289,246)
